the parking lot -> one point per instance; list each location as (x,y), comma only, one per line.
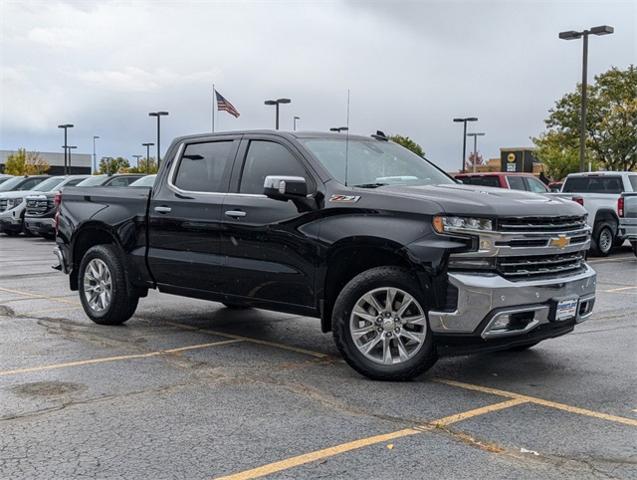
(190,389)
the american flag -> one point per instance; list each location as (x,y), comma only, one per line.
(225,105)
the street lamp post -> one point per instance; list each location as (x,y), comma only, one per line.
(276,103)
(573,35)
(295,119)
(464,137)
(65,126)
(148,145)
(94,169)
(137,157)
(69,148)
(475,147)
(158,115)
(339,129)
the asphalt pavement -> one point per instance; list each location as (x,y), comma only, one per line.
(188,389)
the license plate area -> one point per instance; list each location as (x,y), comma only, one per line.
(565,309)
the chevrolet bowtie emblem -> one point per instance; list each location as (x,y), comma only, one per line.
(562,241)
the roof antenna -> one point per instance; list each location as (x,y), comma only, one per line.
(347,140)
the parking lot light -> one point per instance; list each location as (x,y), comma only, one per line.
(65,126)
(158,115)
(464,120)
(574,35)
(276,103)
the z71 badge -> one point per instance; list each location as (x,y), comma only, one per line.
(345,198)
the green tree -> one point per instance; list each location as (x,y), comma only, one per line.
(145,167)
(25,163)
(409,144)
(110,165)
(611,125)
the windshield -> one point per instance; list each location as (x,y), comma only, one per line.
(11,184)
(373,163)
(49,184)
(147,181)
(92,181)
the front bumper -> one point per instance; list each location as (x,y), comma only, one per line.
(40,226)
(484,300)
(9,223)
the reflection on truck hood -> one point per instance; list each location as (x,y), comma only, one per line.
(488,201)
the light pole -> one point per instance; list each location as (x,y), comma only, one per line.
(295,119)
(475,147)
(137,157)
(464,137)
(339,129)
(573,35)
(148,145)
(94,169)
(276,103)
(65,126)
(69,148)
(158,115)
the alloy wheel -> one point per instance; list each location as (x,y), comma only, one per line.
(98,285)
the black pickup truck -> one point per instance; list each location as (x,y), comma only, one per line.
(398,260)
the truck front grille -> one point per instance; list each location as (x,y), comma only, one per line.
(38,207)
(540,266)
(541,224)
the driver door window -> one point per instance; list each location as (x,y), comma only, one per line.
(267,158)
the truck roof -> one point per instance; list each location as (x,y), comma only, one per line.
(599,174)
(279,133)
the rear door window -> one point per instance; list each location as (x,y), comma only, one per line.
(205,167)
(536,185)
(594,184)
(633,182)
(516,183)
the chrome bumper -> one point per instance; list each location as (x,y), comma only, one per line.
(485,299)
(628,228)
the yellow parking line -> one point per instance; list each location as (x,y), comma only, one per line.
(38,296)
(251,340)
(364,442)
(118,358)
(620,289)
(540,401)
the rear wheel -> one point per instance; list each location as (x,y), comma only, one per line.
(106,295)
(380,325)
(603,238)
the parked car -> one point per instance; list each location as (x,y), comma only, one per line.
(510,180)
(401,262)
(555,186)
(627,211)
(14,184)
(147,181)
(599,194)
(40,208)
(4,178)
(115,180)
(13,204)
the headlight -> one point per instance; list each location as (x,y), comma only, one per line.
(13,202)
(461,224)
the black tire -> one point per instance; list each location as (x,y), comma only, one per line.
(603,238)
(363,283)
(235,306)
(48,236)
(123,301)
(11,233)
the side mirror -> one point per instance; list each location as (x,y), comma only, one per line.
(281,187)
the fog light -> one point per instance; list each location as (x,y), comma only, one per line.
(501,323)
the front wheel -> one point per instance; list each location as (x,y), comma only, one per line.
(106,295)
(380,325)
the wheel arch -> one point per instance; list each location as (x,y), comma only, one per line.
(87,236)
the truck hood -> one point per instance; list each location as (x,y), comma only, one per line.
(465,200)
(19,194)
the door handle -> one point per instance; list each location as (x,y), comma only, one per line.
(235,213)
(163,209)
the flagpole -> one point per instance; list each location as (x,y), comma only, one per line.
(214,94)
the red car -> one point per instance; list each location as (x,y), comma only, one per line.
(514,181)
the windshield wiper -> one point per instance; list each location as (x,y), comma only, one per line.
(371,185)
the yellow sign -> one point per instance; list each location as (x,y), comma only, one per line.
(511,157)
(562,241)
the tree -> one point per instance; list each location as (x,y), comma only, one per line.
(611,125)
(25,163)
(474,160)
(141,166)
(409,144)
(110,165)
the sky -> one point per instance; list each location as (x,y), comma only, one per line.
(410,68)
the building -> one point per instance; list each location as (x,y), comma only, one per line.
(519,160)
(80,162)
